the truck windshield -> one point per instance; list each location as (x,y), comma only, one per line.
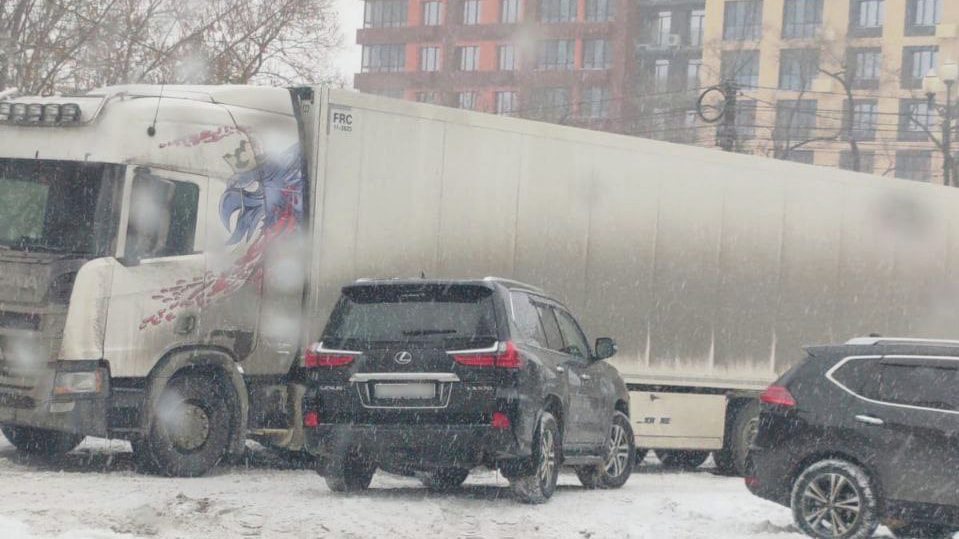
(59,206)
(445,315)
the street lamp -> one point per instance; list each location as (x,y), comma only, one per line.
(932,84)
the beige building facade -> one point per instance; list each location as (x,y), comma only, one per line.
(796,62)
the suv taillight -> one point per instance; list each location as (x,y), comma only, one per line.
(508,358)
(316,356)
(777,395)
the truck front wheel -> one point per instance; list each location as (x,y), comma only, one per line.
(41,442)
(190,430)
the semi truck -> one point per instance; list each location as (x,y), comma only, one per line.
(167,253)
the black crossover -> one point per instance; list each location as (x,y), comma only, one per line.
(862,434)
(434,378)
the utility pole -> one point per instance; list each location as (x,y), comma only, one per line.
(729,139)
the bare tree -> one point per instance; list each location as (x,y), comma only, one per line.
(73,45)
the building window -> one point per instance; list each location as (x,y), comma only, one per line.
(795,119)
(505,102)
(596,54)
(741,67)
(558,10)
(383,58)
(867,18)
(867,161)
(469,58)
(557,55)
(432,13)
(743,20)
(471,12)
(509,11)
(914,165)
(597,102)
(865,118)
(697,27)
(663,26)
(807,157)
(661,76)
(429,58)
(916,64)
(865,67)
(599,10)
(466,100)
(388,92)
(693,68)
(801,18)
(384,13)
(798,68)
(922,16)
(426,97)
(916,119)
(551,104)
(506,57)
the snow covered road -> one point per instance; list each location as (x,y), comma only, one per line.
(94,493)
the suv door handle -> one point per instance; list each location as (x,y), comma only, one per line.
(870,420)
(560,369)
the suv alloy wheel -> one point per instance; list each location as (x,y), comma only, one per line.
(618,466)
(835,499)
(538,483)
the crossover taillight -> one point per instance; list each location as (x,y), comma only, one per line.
(507,358)
(316,356)
(777,395)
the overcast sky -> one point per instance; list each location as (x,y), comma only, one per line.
(351,18)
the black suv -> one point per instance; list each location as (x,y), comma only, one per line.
(433,378)
(862,434)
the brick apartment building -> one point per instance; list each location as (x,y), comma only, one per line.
(603,64)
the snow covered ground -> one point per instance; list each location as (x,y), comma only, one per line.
(95,494)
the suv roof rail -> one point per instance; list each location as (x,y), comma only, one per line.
(872,341)
(513,282)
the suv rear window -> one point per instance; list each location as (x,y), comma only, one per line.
(447,315)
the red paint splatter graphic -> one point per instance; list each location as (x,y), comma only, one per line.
(205,290)
(206,136)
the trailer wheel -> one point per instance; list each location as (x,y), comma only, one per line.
(732,459)
(682,460)
(41,442)
(190,431)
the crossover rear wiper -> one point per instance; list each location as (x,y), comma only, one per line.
(419,332)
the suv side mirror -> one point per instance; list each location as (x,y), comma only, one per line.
(605,348)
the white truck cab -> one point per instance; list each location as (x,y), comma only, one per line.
(137,226)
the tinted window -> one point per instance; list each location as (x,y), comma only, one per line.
(527,320)
(576,344)
(926,385)
(447,315)
(554,339)
(859,375)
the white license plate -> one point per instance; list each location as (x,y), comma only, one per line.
(404,391)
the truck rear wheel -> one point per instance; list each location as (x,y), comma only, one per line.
(349,472)
(444,478)
(682,460)
(41,442)
(732,459)
(190,431)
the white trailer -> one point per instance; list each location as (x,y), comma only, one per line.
(169,250)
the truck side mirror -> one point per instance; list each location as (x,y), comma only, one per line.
(605,348)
